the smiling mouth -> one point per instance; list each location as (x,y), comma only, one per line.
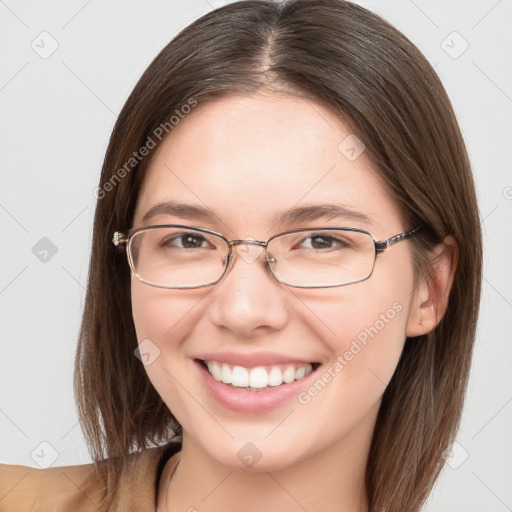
(257,378)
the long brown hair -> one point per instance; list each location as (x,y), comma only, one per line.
(371,75)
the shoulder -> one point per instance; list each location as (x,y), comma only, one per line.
(79,488)
(59,488)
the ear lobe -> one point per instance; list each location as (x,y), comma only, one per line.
(431,297)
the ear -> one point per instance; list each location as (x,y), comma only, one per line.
(431,296)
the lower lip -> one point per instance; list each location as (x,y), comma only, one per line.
(243,400)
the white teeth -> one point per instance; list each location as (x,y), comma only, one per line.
(300,372)
(275,377)
(259,377)
(225,374)
(240,377)
(289,374)
(215,369)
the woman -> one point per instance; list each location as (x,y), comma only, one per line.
(285,275)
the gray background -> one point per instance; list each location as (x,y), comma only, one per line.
(58,111)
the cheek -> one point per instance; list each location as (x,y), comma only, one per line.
(365,332)
(159,313)
(364,326)
(365,344)
(373,346)
(162,320)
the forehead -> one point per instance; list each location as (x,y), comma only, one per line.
(248,158)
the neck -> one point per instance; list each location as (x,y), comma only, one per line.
(329,480)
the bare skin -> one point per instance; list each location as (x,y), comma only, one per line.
(248,158)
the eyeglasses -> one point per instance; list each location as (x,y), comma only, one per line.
(177,256)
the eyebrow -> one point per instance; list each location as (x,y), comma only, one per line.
(293,216)
(188,211)
(321,211)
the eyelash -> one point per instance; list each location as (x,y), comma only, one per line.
(330,238)
(333,241)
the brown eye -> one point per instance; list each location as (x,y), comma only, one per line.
(185,241)
(323,241)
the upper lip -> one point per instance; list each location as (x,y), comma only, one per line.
(251,359)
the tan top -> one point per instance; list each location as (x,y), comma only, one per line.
(77,489)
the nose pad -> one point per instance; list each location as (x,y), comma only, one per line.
(249,251)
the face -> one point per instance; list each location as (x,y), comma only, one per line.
(247,160)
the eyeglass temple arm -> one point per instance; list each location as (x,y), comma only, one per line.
(381,246)
(119,239)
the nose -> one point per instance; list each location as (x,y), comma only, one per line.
(248,300)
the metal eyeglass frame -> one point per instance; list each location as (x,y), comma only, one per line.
(121,239)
